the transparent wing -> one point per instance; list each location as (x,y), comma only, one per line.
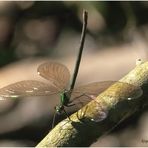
(84,94)
(87,92)
(56,73)
(81,95)
(91,88)
(26,88)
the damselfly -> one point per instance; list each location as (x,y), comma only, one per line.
(59,77)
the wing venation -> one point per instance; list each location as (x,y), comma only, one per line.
(27,88)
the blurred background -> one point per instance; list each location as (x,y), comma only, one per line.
(34,32)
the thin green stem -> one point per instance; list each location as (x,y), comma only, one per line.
(85,17)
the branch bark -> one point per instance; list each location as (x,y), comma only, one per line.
(103,113)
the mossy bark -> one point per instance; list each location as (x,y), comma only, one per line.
(103,113)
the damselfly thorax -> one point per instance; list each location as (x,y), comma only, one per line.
(64,101)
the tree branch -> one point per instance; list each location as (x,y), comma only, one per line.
(103,113)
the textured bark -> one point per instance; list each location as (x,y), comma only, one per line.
(103,113)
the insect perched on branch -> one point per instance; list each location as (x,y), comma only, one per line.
(59,77)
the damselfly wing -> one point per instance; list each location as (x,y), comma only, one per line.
(27,88)
(86,93)
(58,76)
(56,73)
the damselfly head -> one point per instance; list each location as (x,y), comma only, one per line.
(59,108)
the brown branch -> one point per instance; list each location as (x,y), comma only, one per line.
(112,106)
